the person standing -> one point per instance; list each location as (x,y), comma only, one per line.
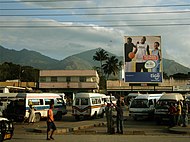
(108,110)
(50,123)
(172,110)
(142,50)
(31,114)
(119,117)
(157,53)
(178,114)
(128,48)
(185,114)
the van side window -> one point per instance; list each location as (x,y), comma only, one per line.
(59,101)
(84,101)
(35,102)
(99,101)
(48,101)
(94,101)
(41,102)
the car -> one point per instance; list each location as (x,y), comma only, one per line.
(6,129)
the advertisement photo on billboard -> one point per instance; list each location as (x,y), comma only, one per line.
(142,59)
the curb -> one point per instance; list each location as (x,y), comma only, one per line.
(179,130)
(67,130)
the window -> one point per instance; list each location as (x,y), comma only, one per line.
(59,101)
(42,79)
(77,102)
(68,79)
(84,101)
(96,101)
(53,79)
(82,79)
(48,101)
(35,102)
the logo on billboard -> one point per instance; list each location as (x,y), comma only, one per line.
(150,64)
(155,76)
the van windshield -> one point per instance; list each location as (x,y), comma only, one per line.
(165,103)
(139,103)
(84,101)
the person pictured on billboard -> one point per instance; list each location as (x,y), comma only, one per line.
(142,50)
(129,50)
(156,51)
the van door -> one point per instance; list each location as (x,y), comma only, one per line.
(16,110)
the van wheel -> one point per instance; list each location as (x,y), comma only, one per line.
(37,117)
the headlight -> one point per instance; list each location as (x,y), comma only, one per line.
(11,125)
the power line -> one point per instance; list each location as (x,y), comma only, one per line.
(96,14)
(87,26)
(96,21)
(12,1)
(107,7)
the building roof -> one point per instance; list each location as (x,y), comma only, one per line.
(68,73)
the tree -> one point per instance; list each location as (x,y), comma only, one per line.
(10,71)
(100,55)
(112,66)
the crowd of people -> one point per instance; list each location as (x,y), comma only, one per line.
(178,114)
(119,116)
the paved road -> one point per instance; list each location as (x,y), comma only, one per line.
(140,131)
(102,138)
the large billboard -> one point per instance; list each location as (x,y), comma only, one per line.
(142,59)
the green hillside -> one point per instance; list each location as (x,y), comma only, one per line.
(26,58)
(83,60)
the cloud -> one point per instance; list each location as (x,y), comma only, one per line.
(61,42)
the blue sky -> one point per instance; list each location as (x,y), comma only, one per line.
(61,41)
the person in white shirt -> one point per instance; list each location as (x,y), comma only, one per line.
(142,50)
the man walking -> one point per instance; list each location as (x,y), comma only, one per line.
(50,122)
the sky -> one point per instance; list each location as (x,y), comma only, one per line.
(61,28)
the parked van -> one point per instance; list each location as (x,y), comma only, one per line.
(18,109)
(143,106)
(130,97)
(108,99)
(88,105)
(162,106)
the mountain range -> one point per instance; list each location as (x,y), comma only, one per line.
(81,61)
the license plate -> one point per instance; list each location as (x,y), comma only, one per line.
(7,136)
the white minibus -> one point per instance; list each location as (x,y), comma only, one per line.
(162,106)
(143,106)
(18,109)
(86,105)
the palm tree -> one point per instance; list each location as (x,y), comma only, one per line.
(100,55)
(112,66)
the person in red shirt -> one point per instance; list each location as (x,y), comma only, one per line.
(50,122)
(172,111)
